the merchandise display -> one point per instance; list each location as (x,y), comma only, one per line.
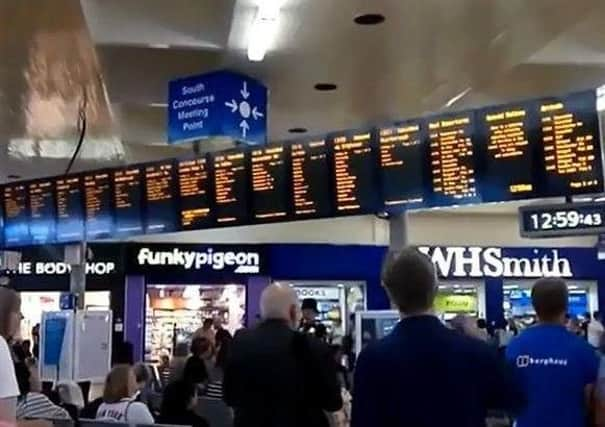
(175,312)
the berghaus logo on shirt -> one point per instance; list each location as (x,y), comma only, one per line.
(525,361)
(244,262)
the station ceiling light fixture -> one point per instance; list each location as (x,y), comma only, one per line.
(369,19)
(325,87)
(297,130)
(264,28)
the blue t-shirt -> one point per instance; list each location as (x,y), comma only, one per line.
(553,366)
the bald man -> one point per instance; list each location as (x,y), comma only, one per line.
(277,376)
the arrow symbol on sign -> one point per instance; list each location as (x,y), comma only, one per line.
(244,91)
(256,114)
(245,127)
(232,104)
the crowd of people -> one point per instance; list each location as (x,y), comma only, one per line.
(283,373)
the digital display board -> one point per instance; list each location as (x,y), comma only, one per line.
(160,190)
(508,166)
(402,151)
(572,148)
(231,187)
(128,195)
(193,192)
(452,159)
(16,215)
(354,172)
(310,172)
(43,219)
(98,206)
(70,208)
(569,219)
(270,199)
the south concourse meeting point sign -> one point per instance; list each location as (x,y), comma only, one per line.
(218,104)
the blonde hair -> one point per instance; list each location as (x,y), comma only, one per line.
(10,303)
(117,384)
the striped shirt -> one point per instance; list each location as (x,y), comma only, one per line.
(37,406)
(214,390)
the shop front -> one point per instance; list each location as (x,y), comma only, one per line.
(42,277)
(501,278)
(171,288)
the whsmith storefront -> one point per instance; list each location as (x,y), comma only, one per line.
(495,282)
(160,292)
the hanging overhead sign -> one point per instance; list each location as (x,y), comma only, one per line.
(218,104)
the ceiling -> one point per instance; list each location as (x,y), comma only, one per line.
(114,58)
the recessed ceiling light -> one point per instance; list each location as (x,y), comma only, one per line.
(12,176)
(297,130)
(324,87)
(369,19)
(159,46)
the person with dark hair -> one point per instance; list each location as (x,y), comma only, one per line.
(220,333)
(32,404)
(143,379)
(309,323)
(396,377)
(195,369)
(178,403)
(557,369)
(205,331)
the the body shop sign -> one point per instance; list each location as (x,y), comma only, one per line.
(164,258)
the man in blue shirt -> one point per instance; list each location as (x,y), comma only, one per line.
(556,368)
(424,374)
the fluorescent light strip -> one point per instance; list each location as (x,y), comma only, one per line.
(264,28)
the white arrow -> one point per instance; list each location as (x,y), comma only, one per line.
(232,104)
(256,114)
(245,127)
(244,91)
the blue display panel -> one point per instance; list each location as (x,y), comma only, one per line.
(572,158)
(43,214)
(231,187)
(452,159)
(128,197)
(403,158)
(16,215)
(354,172)
(160,190)
(270,185)
(70,209)
(507,147)
(310,171)
(194,185)
(98,205)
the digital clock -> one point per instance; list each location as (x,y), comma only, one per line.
(570,219)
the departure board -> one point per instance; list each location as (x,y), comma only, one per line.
(127,196)
(231,187)
(98,206)
(16,215)
(508,133)
(193,192)
(42,211)
(270,199)
(70,209)
(402,151)
(310,173)
(572,148)
(452,159)
(160,190)
(354,170)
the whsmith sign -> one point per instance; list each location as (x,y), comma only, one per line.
(195,258)
(463,262)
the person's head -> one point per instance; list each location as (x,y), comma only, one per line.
(10,313)
(142,375)
(201,347)
(410,280)
(207,324)
(36,333)
(309,309)
(26,345)
(280,302)
(179,396)
(596,315)
(164,360)
(120,384)
(218,322)
(481,323)
(549,298)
